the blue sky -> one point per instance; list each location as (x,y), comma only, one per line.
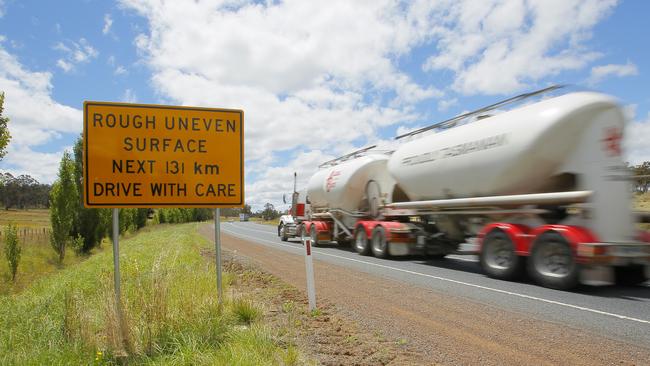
(315,79)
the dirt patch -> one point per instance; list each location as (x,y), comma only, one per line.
(390,322)
(324,336)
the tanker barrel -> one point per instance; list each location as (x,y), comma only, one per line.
(346,156)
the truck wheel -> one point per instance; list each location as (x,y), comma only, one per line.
(498,258)
(361,241)
(552,263)
(283,233)
(313,234)
(630,276)
(379,243)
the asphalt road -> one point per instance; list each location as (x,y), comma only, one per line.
(621,313)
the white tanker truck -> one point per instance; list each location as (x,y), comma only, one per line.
(541,187)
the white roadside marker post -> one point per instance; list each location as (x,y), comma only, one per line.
(309,265)
(217,249)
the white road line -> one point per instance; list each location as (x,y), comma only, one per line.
(457,282)
(456,257)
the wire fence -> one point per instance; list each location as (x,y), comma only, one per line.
(28,235)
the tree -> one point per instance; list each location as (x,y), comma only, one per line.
(269,212)
(247,210)
(642,172)
(4,131)
(23,192)
(91,224)
(63,201)
(12,249)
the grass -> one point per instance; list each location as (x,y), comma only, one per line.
(34,218)
(172,315)
(245,310)
(38,259)
(642,201)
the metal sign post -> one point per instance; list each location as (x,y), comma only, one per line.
(309,265)
(217,249)
(116,268)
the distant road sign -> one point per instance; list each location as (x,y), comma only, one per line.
(141,155)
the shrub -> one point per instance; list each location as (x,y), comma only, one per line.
(12,249)
(245,311)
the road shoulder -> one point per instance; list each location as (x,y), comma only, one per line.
(440,328)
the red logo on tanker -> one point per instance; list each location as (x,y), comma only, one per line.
(612,141)
(331,180)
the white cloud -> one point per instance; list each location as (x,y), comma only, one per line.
(41,166)
(320,83)
(120,70)
(75,53)
(64,65)
(129,96)
(637,135)
(498,47)
(443,105)
(108,22)
(327,79)
(599,73)
(35,119)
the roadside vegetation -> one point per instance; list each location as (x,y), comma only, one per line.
(642,201)
(37,259)
(170,304)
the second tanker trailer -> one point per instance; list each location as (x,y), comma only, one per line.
(541,188)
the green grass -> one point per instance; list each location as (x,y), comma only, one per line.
(170,303)
(38,258)
(245,310)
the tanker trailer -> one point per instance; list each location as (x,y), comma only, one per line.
(345,191)
(541,188)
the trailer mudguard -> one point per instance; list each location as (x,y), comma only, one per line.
(519,234)
(574,235)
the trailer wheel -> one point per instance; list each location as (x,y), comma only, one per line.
(498,258)
(552,263)
(313,235)
(379,243)
(361,241)
(282,232)
(630,276)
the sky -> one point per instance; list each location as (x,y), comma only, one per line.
(316,79)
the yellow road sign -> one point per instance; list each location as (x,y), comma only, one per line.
(141,155)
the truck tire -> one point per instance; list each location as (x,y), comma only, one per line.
(498,258)
(379,243)
(552,263)
(361,241)
(313,235)
(630,276)
(282,233)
